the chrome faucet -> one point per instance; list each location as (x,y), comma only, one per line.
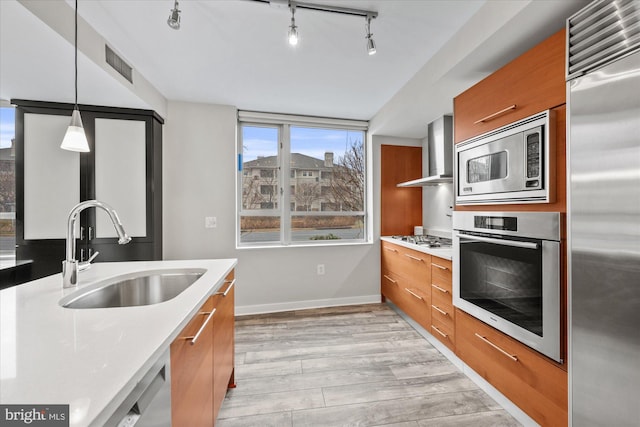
(70,266)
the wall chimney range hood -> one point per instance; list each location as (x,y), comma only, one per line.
(438,154)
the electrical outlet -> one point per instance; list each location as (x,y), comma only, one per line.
(210,222)
(320,269)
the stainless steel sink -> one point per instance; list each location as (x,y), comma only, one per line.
(134,289)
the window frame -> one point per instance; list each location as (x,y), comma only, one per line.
(283,124)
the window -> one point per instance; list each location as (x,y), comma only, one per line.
(322,161)
(7,184)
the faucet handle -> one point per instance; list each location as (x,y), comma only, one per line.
(86,264)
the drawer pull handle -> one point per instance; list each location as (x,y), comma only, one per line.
(415,258)
(440,289)
(390,249)
(390,279)
(496,114)
(197,335)
(439,266)
(510,356)
(439,331)
(414,294)
(439,310)
(231,283)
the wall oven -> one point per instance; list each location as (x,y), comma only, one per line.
(507,274)
(512,164)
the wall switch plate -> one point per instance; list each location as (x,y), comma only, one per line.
(210,222)
(320,269)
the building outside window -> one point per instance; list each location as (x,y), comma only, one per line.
(7,185)
(324,166)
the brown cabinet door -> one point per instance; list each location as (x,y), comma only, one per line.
(533,82)
(192,371)
(223,342)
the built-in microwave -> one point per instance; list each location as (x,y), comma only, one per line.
(512,164)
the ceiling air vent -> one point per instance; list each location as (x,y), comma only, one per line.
(600,33)
(118,64)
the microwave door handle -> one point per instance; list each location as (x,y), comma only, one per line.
(515,243)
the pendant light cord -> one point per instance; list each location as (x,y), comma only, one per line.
(75,42)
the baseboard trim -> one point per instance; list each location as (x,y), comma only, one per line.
(494,393)
(304,305)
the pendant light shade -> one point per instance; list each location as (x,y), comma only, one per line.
(75,138)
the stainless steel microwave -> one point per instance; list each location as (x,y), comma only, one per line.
(512,164)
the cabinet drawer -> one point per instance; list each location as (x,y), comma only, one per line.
(389,286)
(415,302)
(531,83)
(406,262)
(442,327)
(441,273)
(527,378)
(412,299)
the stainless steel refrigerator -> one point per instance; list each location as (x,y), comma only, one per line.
(603,68)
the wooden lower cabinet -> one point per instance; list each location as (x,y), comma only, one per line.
(192,371)
(202,361)
(527,378)
(406,279)
(442,313)
(223,343)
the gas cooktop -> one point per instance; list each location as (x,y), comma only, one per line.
(428,241)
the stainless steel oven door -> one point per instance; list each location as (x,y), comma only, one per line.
(512,284)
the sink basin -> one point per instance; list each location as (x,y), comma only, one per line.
(134,289)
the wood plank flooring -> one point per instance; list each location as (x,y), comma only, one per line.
(348,366)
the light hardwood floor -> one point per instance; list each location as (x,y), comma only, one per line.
(348,366)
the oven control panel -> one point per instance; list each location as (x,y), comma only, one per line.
(506,223)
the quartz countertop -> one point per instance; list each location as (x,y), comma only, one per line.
(90,359)
(445,253)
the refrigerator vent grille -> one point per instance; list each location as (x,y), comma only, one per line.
(600,33)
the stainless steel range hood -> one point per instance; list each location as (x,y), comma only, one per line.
(439,153)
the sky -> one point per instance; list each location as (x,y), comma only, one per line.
(314,142)
(7,123)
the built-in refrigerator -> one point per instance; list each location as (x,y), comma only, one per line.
(603,81)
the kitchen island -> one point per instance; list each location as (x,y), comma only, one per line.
(93,358)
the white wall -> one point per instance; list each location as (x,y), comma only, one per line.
(199,174)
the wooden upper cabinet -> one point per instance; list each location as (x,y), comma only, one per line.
(401,208)
(533,82)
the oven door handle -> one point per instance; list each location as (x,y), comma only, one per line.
(516,243)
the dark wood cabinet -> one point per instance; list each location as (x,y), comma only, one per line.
(123,169)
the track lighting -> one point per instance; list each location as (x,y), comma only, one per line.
(371,45)
(174,18)
(75,138)
(293,30)
(293,5)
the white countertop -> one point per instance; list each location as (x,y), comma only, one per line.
(90,358)
(445,253)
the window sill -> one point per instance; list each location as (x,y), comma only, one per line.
(303,245)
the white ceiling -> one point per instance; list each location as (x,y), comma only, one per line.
(234,52)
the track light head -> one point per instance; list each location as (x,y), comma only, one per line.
(293,29)
(174,18)
(371,45)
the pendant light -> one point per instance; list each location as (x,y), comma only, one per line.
(75,138)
